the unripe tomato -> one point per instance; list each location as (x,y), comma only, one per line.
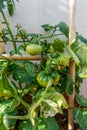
(33,49)
(43,78)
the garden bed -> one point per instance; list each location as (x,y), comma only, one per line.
(62,120)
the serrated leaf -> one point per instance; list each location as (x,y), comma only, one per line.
(81,117)
(47,27)
(82,101)
(63,28)
(47,124)
(2,5)
(30,68)
(4,111)
(10,6)
(53,103)
(81,38)
(33,35)
(25,125)
(24,72)
(21,50)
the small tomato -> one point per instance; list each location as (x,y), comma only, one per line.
(43,78)
(33,49)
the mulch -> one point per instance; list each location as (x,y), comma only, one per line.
(62,120)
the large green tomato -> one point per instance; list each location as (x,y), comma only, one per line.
(43,78)
(33,49)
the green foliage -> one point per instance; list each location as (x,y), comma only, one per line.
(2,6)
(63,28)
(24,72)
(82,101)
(10,5)
(25,125)
(6,124)
(47,124)
(81,38)
(81,117)
(47,27)
(19,86)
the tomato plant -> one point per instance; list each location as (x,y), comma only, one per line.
(31,93)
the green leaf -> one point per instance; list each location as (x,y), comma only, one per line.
(8,85)
(47,27)
(82,101)
(33,35)
(12,53)
(24,72)
(7,89)
(69,85)
(2,5)
(2,126)
(21,50)
(25,125)
(53,103)
(14,104)
(10,6)
(63,28)
(30,69)
(47,124)
(81,38)
(81,117)
(6,124)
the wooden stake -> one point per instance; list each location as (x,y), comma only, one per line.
(2,48)
(18,57)
(72,36)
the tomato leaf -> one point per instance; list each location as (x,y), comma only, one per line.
(25,125)
(81,117)
(82,101)
(81,38)
(21,50)
(63,28)
(47,27)
(47,124)
(25,72)
(53,103)
(2,6)
(5,124)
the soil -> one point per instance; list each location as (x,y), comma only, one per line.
(62,120)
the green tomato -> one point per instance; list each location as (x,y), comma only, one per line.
(62,61)
(33,49)
(43,78)
(58,45)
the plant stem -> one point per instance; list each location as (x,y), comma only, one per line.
(36,104)
(18,117)
(48,36)
(10,32)
(26,105)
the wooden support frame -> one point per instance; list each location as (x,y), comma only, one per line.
(2,48)
(19,57)
(72,37)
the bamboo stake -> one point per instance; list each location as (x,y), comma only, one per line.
(18,57)
(2,48)
(72,36)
